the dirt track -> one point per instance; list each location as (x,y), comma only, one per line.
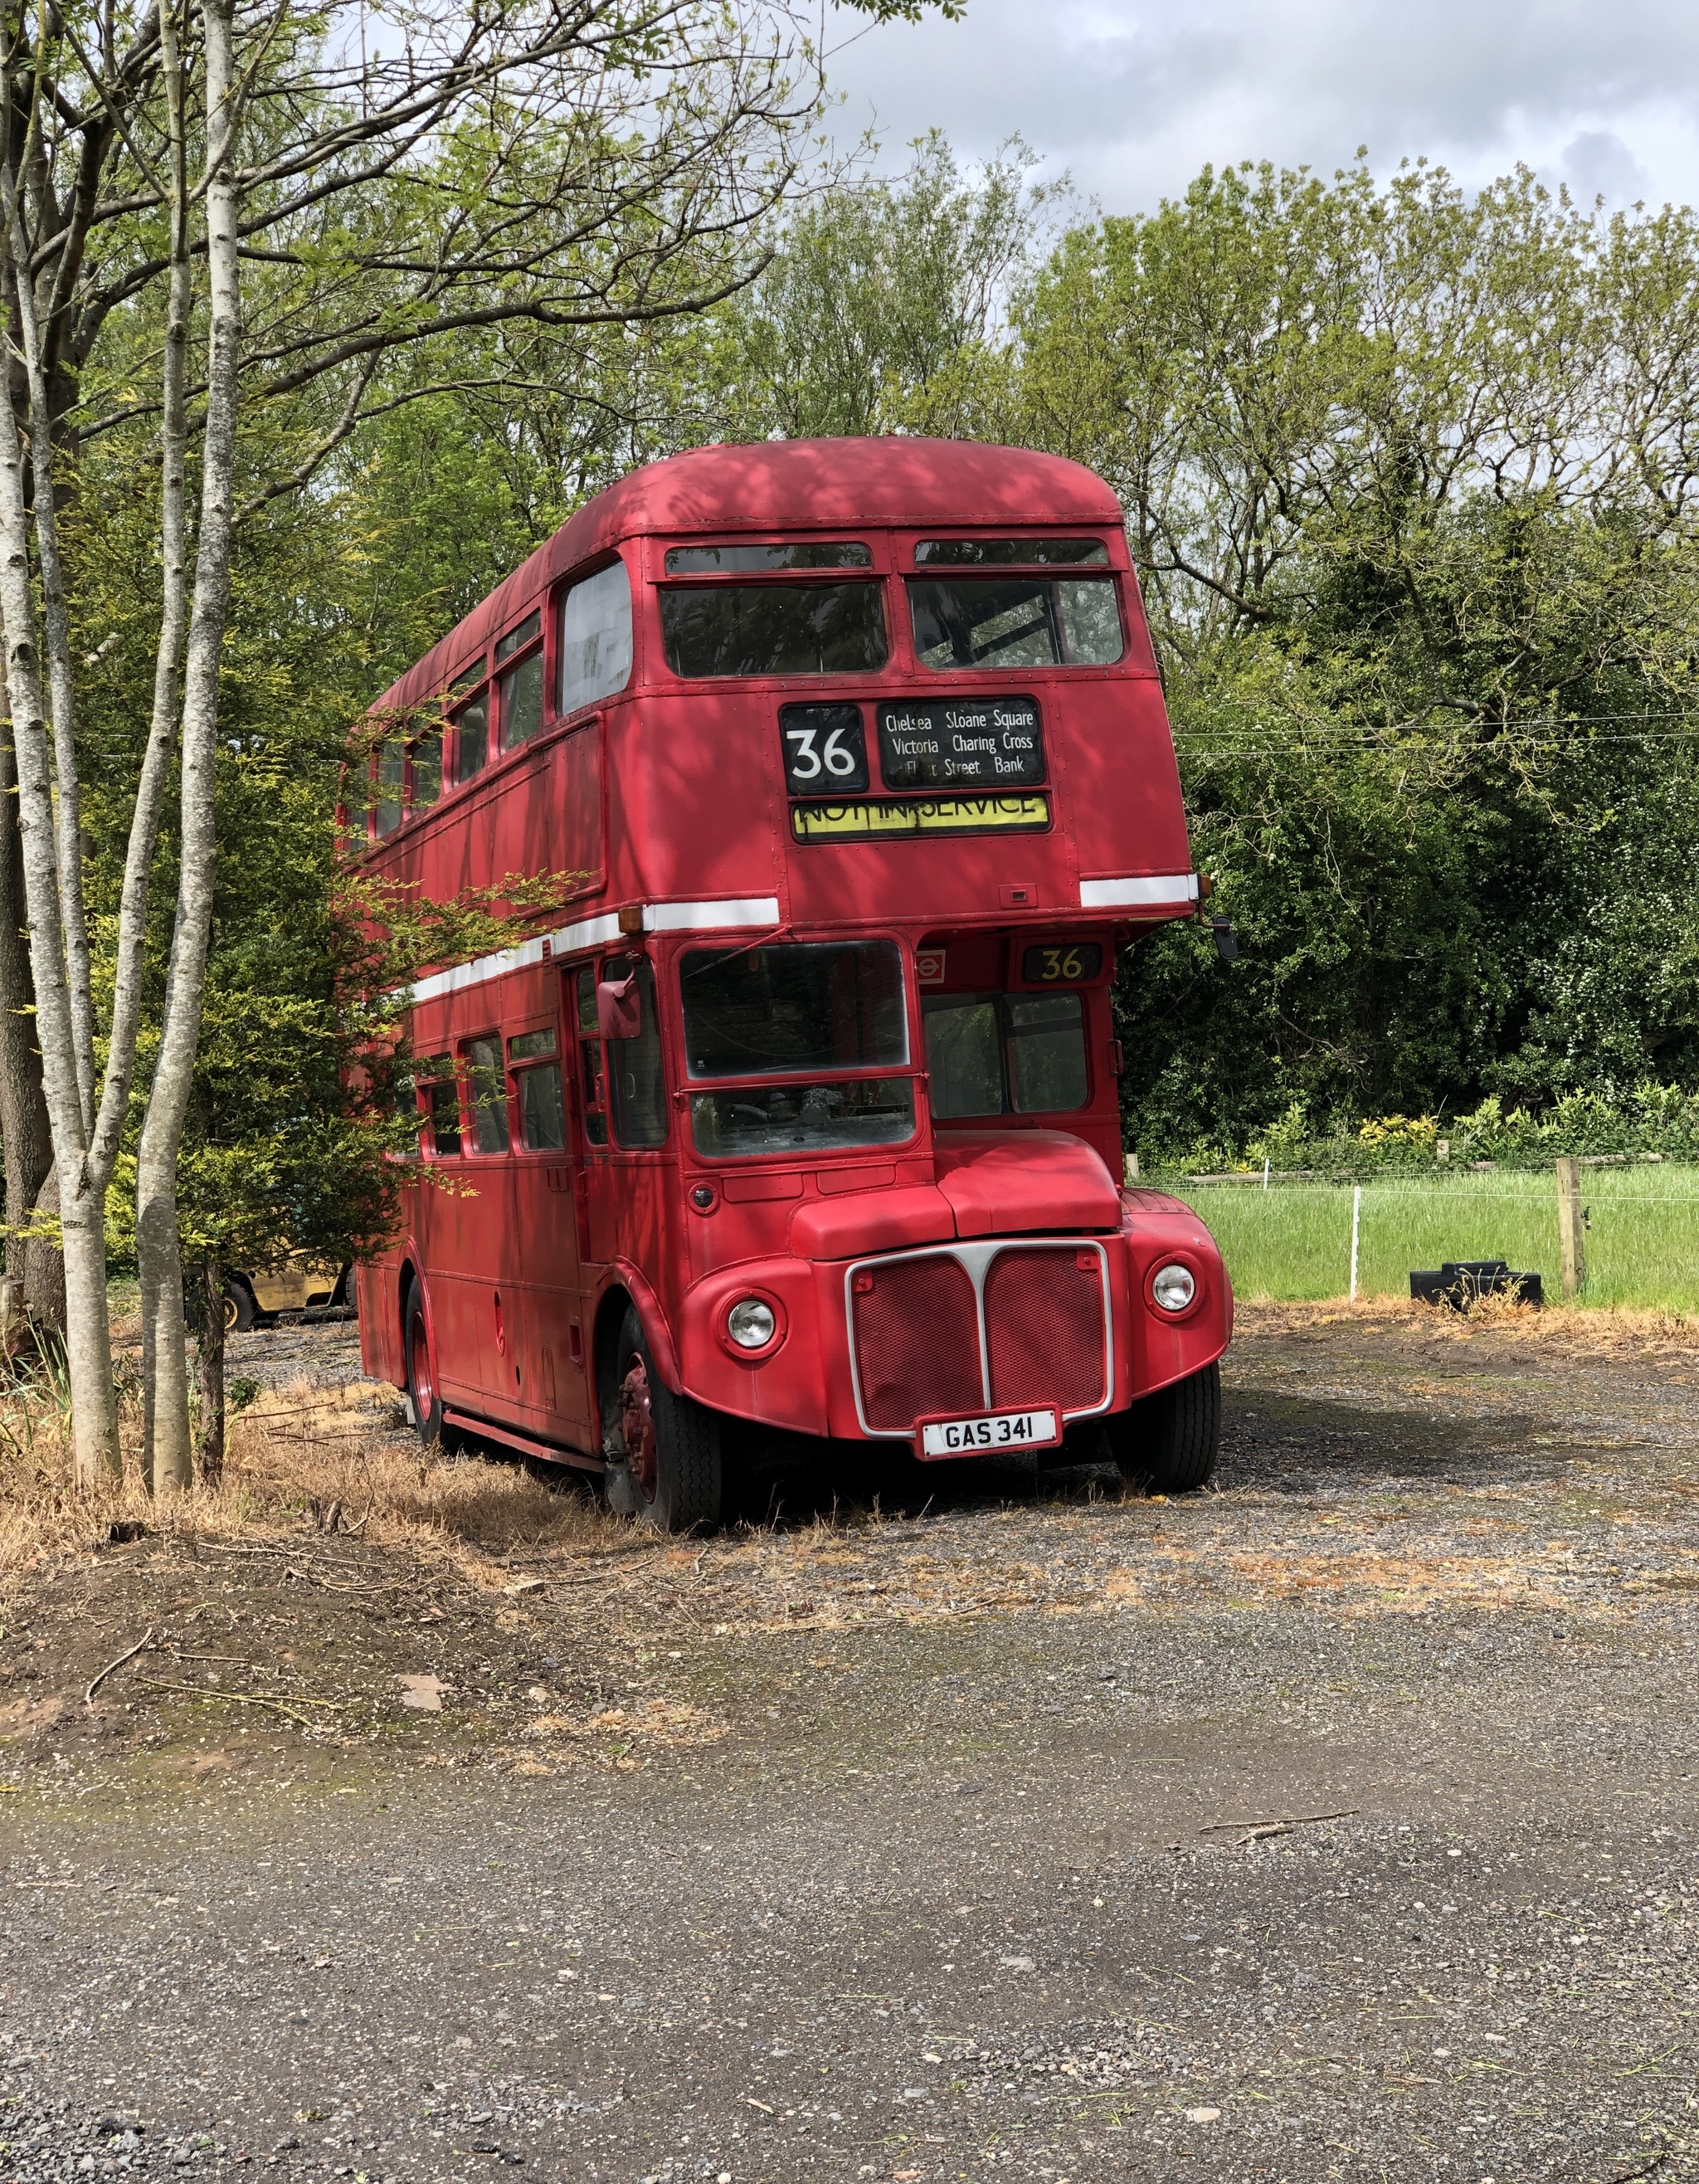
(918,1848)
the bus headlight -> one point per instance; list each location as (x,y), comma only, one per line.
(751,1324)
(1174,1286)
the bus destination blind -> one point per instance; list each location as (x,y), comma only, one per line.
(890,818)
(976,743)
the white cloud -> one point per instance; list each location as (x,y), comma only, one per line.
(1134,96)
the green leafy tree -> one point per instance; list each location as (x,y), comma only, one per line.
(1410,484)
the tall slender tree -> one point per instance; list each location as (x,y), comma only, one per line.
(330,221)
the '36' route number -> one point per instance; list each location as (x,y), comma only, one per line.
(825,750)
(810,759)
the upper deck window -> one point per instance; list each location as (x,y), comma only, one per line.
(508,645)
(522,685)
(1008,553)
(1016,622)
(773,629)
(793,553)
(471,723)
(391,761)
(472,738)
(425,768)
(595,637)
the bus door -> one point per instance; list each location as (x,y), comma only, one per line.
(622,1102)
(553,1345)
(476,1304)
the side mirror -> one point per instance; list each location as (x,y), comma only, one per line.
(1225,939)
(619,1007)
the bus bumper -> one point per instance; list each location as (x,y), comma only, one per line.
(871,1347)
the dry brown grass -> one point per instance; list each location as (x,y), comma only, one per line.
(301,1460)
(1621,1330)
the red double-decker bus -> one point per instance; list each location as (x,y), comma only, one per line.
(802,1112)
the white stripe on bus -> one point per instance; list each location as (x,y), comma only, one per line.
(599,933)
(1110,895)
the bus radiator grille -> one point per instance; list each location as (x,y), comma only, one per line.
(1044,1313)
(917,1344)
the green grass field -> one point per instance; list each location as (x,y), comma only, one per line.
(1293,1242)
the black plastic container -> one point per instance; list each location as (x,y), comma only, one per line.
(1459,1281)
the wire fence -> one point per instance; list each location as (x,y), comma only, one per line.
(1307,1237)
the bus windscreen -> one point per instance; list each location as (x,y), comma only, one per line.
(772,629)
(748,1121)
(762,1011)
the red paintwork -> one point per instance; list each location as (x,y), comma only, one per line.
(674,793)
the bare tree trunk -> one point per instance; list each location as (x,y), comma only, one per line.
(157,1244)
(44,1267)
(47,484)
(88,1334)
(210,1455)
(168,1102)
(24,1129)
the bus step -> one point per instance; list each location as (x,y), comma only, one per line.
(548,1452)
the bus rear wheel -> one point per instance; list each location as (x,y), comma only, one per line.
(664,1464)
(423,1389)
(1171,1439)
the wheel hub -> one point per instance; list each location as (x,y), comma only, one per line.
(637,1428)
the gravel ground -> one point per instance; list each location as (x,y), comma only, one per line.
(1338,1824)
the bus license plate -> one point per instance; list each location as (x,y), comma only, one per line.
(1008,1430)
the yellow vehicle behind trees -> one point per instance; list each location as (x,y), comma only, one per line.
(296,1285)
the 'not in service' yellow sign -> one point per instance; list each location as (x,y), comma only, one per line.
(875,819)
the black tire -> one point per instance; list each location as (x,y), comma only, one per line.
(424,1388)
(1171,1439)
(664,1458)
(240,1310)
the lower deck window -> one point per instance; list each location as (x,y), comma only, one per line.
(1000,1054)
(488,1085)
(746,1121)
(531,1056)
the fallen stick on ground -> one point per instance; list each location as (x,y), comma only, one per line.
(88,1695)
(247,1698)
(1291,1820)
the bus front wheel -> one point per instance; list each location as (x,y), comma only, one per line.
(664,1464)
(1171,1439)
(423,1389)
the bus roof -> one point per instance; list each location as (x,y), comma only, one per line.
(783,485)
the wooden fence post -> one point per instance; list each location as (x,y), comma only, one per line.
(1571,1252)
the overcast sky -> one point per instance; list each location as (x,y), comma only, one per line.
(1133,97)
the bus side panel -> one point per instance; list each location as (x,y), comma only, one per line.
(1120,785)
(632,1218)
(691,806)
(577,808)
(380,1330)
(545,1250)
